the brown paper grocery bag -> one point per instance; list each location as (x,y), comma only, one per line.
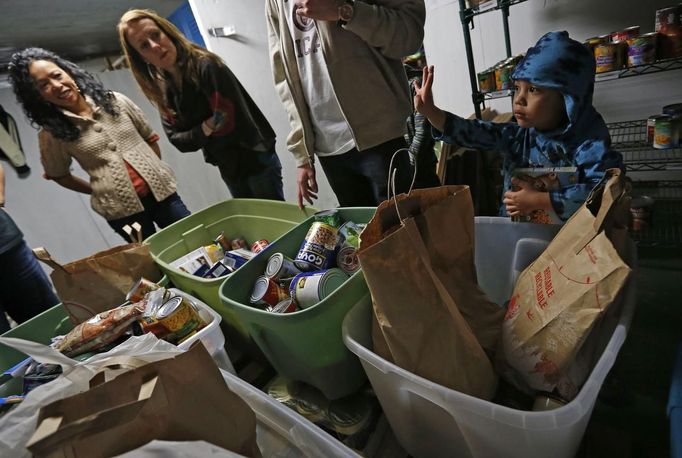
(418,260)
(99,282)
(560,297)
(184,398)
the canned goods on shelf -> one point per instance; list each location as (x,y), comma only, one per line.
(503,75)
(609,56)
(626,34)
(651,128)
(486,81)
(642,49)
(663,132)
(309,288)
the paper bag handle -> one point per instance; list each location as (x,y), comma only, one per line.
(134,232)
(391,181)
(612,191)
(116,362)
(44,256)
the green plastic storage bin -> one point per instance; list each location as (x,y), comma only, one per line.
(305,345)
(254,219)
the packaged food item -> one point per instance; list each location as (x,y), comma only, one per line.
(675,111)
(663,132)
(486,81)
(100,330)
(173,320)
(219,269)
(593,42)
(503,73)
(224,242)
(626,34)
(240,243)
(259,246)
(280,267)
(237,258)
(309,288)
(642,49)
(140,289)
(199,261)
(668,24)
(651,127)
(317,249)
(330,217)
(267,292)
(610,56)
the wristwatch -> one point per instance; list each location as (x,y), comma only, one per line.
(346,12)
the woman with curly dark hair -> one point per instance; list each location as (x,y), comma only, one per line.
(202,105)
(105,132)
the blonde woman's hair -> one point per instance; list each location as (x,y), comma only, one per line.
(152,80)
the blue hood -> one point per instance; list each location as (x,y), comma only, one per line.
(559,62)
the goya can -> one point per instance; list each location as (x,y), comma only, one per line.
(174,320)
(140,289)
(642,49)
(280,267)
(259,246)
(267,292)
(317,249)
(663,132)
(309,288)
(347,260)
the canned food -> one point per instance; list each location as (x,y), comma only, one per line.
(309,288)
(675,110)
(641,209)
(330,217)
(267,292)
(626,34)
(347,260)
(486,81)
(174,320)
(259,246)
(663,132)
(286,306)
(503,79)
(280,267)
(349,234)
(140,289)
(642,49)
(317,249)
(609,56)
(651,127)
(669,25)
(239,242)
(224,242)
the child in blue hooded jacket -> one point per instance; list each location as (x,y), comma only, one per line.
(557,128)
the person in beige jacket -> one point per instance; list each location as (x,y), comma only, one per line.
(105,132)
(337,69)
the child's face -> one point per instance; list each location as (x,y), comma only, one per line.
(538,107)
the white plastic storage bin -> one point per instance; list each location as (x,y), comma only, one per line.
(281,431)
(430,420)
(211,336)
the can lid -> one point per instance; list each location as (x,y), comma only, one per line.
(281,306)
(260,288)
(169,307)
(330,281)
(274,265)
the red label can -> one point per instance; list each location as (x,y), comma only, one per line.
(267,292)
(259,246)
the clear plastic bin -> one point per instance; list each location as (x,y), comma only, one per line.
(253,219)
(304,345)
(430,420)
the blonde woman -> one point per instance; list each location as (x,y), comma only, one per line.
(202,104)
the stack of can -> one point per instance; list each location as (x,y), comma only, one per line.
(664,131)
(499,76)
(292,284)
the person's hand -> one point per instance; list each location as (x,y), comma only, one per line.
(321,10)
(423,99)
(526,199)
(307,184)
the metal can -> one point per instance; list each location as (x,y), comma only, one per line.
(675,110)
(626,34)
(267,292)
(317,249)
(309,288)
(669,25)
(140,289)
(347,259)
(224,242)
(259,246)
(609,56)
(286,306)
(663,132)
(281,267)
(349,234)
(174,320)
(503,73)
(486,81)
(642,49)
(330,217)
(239,242)
(651,127)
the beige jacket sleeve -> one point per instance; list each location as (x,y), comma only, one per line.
(136,116)
(295,139)
(56,162)
(394,27)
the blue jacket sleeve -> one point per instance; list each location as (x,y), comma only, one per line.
(592,159)
(477,134)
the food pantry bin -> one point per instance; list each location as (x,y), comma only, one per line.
(305,345)
(254,219)
(41,328)
(430,420)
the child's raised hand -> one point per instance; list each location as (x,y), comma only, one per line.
(423,99)
(526,199)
